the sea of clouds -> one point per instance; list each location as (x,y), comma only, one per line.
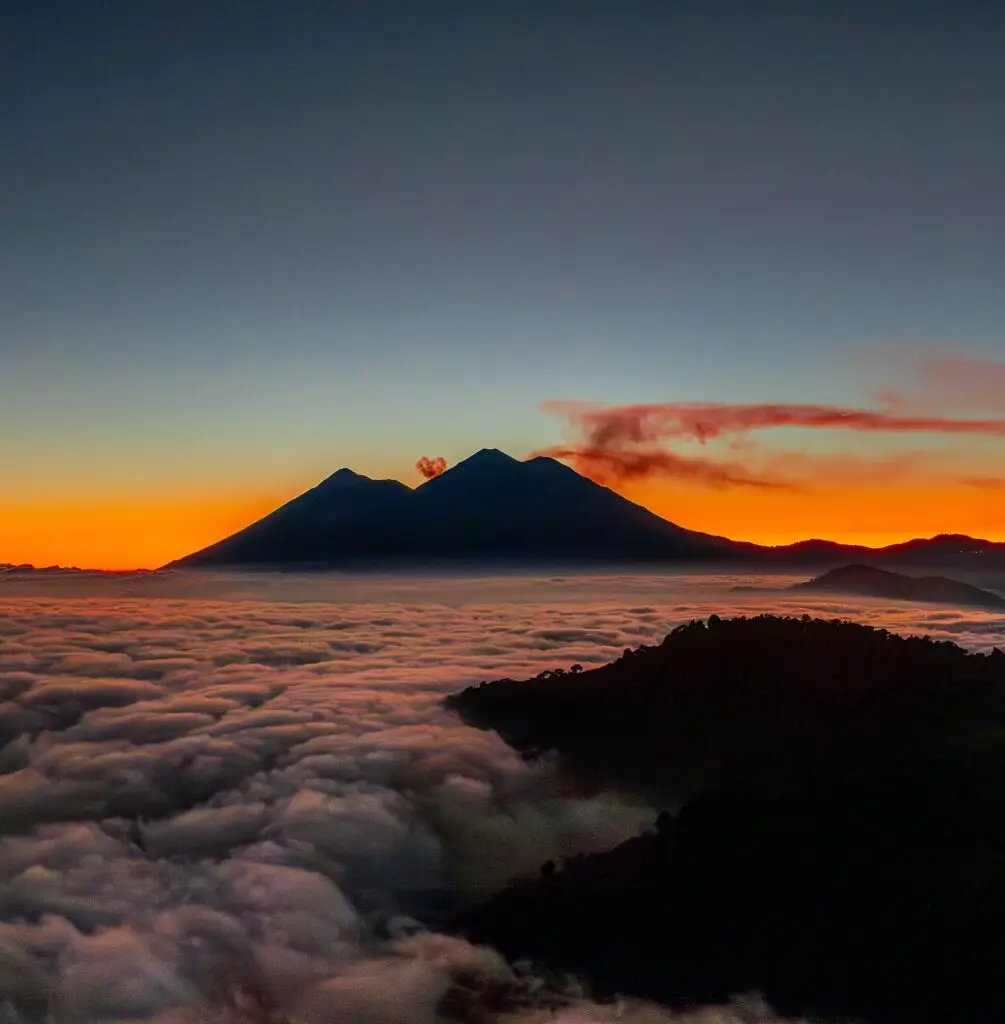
(234,798)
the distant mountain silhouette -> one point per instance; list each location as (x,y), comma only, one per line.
(762,701)
(797,897)
(488,507)
(874,582)
(26,569)
(494,508)
(950,549)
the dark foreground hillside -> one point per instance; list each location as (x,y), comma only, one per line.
(848,878)
(765,703)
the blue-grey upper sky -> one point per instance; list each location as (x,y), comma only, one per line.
(246,240)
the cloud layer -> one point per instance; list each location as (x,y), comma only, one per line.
(230,794)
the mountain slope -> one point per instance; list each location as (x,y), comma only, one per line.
(541,508)
(346,506)
(488,507)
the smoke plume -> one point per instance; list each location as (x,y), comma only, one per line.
(431,467)
(614,464)
(614,443)
(951,382)
(614,426)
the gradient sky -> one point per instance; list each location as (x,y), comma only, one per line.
(246,243)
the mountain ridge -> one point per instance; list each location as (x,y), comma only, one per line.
(872,581)
(491,507)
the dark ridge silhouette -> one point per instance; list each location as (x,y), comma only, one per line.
(839,842)
(871,581)
(765,702)
(879,905)
(26,569)
(491,508)
(945,549)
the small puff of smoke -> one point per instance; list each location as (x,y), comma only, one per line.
(431,467)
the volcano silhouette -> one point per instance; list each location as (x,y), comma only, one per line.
(492,508)
(489,507)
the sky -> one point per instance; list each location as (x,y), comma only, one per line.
(247,243)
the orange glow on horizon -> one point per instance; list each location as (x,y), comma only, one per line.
(129,535)
(122,534)
(872,516)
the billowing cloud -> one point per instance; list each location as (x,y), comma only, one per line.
(260,829)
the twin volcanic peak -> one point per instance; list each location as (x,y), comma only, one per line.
(488,507)
(493,508)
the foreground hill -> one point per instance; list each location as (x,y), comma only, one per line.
(839,843)
(489,507)
(884,906)
(764,703)
(870,581)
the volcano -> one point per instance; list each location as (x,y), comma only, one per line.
(494,509)
(488,508)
